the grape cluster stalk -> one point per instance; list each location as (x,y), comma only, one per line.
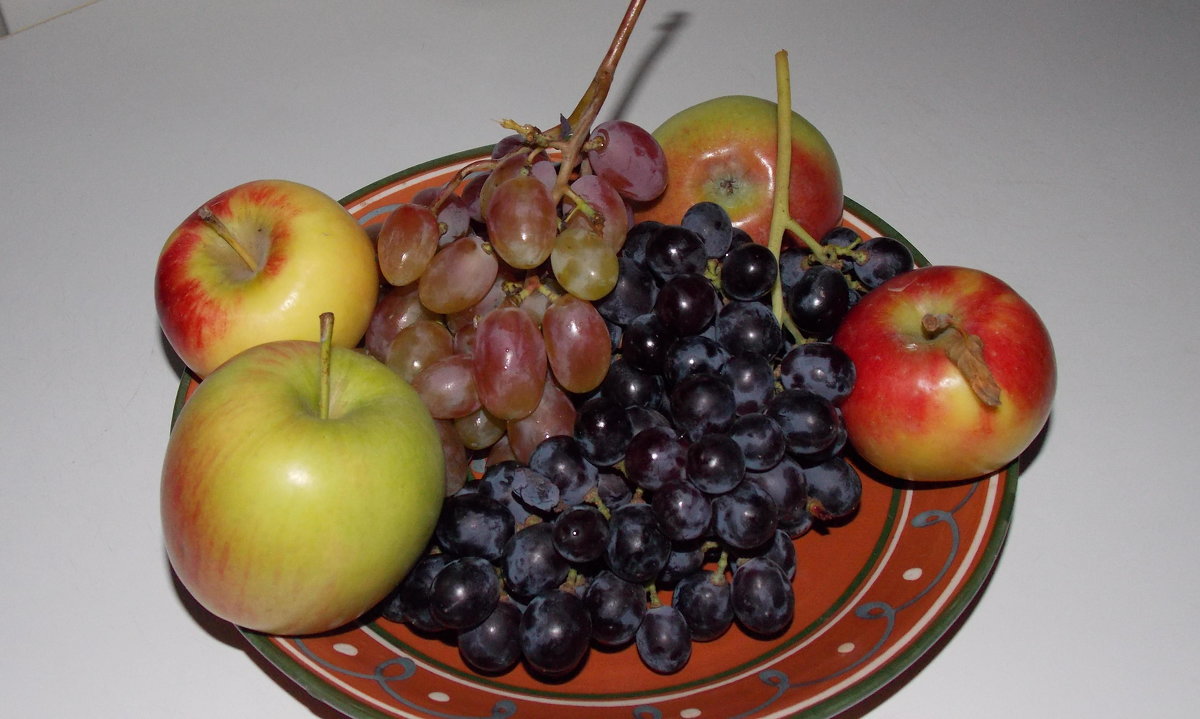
(639,420)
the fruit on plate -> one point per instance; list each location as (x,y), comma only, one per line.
(301,482)
(955,374)
(723,150)
(259,263)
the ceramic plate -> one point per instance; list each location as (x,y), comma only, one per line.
(872,596)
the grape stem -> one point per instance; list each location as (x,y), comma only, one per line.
(966,352)
(326,362)
(208,217)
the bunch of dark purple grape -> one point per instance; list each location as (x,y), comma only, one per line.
(670,514)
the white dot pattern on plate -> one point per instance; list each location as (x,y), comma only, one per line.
(846,648)
(690,713)
(348,649)
(442,697)
(913,574)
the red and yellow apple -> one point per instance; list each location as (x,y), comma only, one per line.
(955,374)
(286,519)
(259,263)
(723,150)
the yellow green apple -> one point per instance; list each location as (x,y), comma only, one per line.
(259,263)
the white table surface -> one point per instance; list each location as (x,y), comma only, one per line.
(1053,143)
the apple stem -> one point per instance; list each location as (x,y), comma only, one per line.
(207,216)
(966,352)
(326,361)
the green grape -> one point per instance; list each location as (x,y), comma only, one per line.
(584,263)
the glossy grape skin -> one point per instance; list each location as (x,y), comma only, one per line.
(510,363)
(645,341)
(779,550)
(645,417)
(715,463)
(760,439)
(613,489)
(706,603)
(632,387)
(749,328)
(786,485)
(654,457)
(682,511)
(458,276)
(819,367)
(834,489)
(521,222)
(561,459)
(633,294)
(687,303)
(685,558)
(417,346)
(885,258)
(793,261)
(409,601)
(447,387)
(576,343)
(580,534)
(397,308)
(745,517)
(616,608)
(638,238)
(474,525)
(752,380)
(406,243)
(531,563)
(818,302)
(606,202)
(711,222)
(663,640)
(480,429)
(511,165)
(810,423)
(691,354)
(584,263)
(630,159)
(554,415)
(454,454)
(494,645)
(763,600)
(555,633)
(464,593)
(637,549)
(702,403)
(674,250)
(748,272)
(603,430)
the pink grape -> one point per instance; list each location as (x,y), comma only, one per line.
(417,346)
(631,160)
(584,263)
(506,169)
(554,415)
(479,430)
(460,275)
(447,387)
(407,240)
(510,363)
(578,346)
(455,456)
(607,202)
(396,309)
(521,221)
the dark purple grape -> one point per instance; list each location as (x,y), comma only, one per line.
(644,343)
(818,301)
(464,593)
(749,328)
(711,222)
(494,645)
(692,354)
(535,492)
(840,237)
(655,456)
(706,603)
(497,483)
(644,417)
(580,534)
(616,608)
(409,601)
(675,250)
(555,633)
(715,463)
(745,517)
(753,382)
(561,460)
(763,600)
(792,263)
(632,296)
(685,558)
(702,403)
(780,550)
(603,430)
(682,511)
(531,563)
(686,303)
(613,489)
(748,272)
(785,483)
(474,525)
(663,640)
(637,238)
(834,489)
(819,367)
(885,257)
(760,439)
(810,423)
(632,387)
(637,549)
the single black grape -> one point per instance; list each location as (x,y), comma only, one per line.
(535,492)
(603,430)
(464,593)
(785,483)
(497,483)
(409,601)
(763,600)
(706,603)
(818,301)
(715,463)
(834,489)
(682,511)
(748,272)
(474,525)
(779,549)
(644,342)
(663,641)
(561,460)
(745,517)
(531,563)
(630,386)
(494,645)
(616,608)
(637,238)
(686,303)
(580,534)
(840,236)
(555,633)
(613,489)
(792,263)
(675,250)
(749,328)
(632,296)
(637,549)
(689,355)
(819,367)
(760,439)
(654,457)
(685,558)
(753,382)
(711,222)
(810,423)
(884,258)
(701,403)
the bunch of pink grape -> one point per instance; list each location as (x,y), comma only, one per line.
(488,310)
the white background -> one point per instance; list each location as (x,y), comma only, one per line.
(1053,143)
